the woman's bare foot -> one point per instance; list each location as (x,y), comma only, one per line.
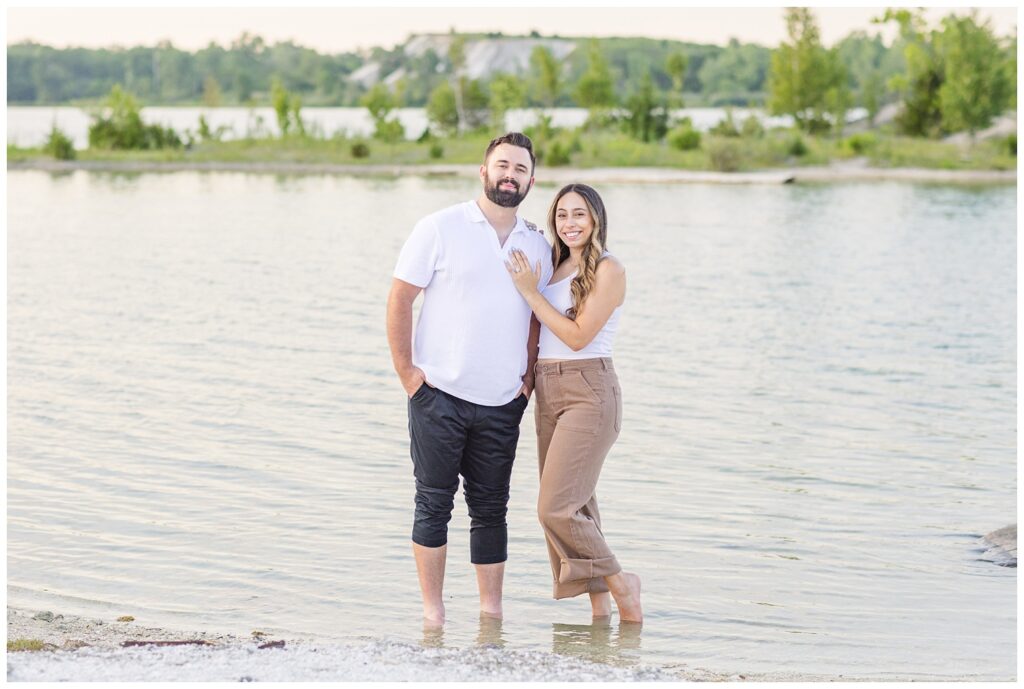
(625,588)
(601,604)
(433,616)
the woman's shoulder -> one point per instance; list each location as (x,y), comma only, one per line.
(609,265)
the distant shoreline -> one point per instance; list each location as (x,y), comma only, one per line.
(617,175)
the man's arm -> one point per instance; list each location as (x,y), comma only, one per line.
(531,356)
(399,326)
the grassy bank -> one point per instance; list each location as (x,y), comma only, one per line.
(583,150)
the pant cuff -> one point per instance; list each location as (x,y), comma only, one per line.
(429,542)
(577,588)
(575,570)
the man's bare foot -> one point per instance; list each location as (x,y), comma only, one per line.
(491,614)
(601,604)
(626,591)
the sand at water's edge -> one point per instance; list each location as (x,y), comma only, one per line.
(832,173)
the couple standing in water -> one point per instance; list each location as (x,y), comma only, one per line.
(505,314)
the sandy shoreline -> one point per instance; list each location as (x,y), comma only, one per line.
(841,172)
(91,649)
(79,648)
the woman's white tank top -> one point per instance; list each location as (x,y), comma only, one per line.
(559,295)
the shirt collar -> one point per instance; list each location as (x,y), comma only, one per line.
(474,214)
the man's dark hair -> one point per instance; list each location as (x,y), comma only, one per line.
(513,139)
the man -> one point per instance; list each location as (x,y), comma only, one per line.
(469,373)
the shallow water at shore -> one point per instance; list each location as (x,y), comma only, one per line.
(204,430)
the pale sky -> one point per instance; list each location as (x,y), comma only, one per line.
(343,29)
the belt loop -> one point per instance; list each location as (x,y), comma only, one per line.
(604,363)
(558,367)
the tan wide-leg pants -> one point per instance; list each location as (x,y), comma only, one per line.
(578,417)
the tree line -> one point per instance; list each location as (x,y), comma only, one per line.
(954,77)
(244,72)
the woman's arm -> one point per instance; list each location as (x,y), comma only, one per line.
(608,293)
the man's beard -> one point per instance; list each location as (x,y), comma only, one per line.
(506,198)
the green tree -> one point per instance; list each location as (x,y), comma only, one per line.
(457,64)
(295,112)
(647,116)
(976,87)
(547,76)
(676,66)
(59,145)
(119,126)
(281,100)
(919,83)
(736,75)
(441,110)
(507,92)
(211,92)
(380,102)
(595,88)
(872,93)
(806,81)
(1010,56)
(838,98)
(475,103)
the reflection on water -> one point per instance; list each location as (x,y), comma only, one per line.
(601,641)
(490,631)
(433,635)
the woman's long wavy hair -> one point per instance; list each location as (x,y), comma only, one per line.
(583,283)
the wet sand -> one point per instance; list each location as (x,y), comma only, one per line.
(90,649)
(846,171)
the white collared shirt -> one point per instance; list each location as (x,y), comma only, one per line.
(470,339)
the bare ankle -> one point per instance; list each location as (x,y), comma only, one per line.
(433,614)
(601,604)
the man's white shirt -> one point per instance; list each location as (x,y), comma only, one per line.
(470,339)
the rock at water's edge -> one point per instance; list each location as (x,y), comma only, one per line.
(1002,546)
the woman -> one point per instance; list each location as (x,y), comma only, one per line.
(579,406)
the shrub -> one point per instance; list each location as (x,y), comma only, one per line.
(59,145)
(861,143)
(436,150)
(16,645)
(558,155)
(725,156)
(797,147)
(120,126)
(726,127)
(752,128)
(207,134)
(389,131)
(1011,144)
(684,137)
(542,129)
(360,150)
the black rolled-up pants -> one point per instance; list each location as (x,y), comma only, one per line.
(451,437)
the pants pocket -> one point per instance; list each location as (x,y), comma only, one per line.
(593,383)
(617,392)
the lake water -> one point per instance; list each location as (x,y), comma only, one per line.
(204,429)
(29,126)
